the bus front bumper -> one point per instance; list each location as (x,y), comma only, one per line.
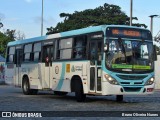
(109,89)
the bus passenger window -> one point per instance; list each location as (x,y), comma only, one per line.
(37,52)
(11,53)
(10,58)
(79,50)
(46,54)
(27,52)
(99,53)
(65,48)
(93,51)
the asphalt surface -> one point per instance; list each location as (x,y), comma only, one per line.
(13,100)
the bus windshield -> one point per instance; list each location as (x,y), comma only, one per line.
(130,55)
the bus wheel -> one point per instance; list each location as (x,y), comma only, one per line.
(26,86)
(60,93)
(119,98)
(80,96)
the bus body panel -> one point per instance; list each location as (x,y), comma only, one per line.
(10,74)
(58,75)
(17,77)
(130,88)
(64,71)
(109,89)
(33,73)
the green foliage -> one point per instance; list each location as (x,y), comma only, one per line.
(106,14)
(7,36)
(11,34)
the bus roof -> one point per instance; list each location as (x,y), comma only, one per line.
(90,29)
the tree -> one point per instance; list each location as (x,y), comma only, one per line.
(20,35)
(11,34)
(7,36)
(4,39)
(106,14)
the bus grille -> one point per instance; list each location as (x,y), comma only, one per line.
(129,77)
(132,89)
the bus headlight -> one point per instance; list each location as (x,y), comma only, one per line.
(111,80)
(150,81)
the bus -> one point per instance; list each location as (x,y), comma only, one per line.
(100,60)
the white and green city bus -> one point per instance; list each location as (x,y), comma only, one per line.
(101,60)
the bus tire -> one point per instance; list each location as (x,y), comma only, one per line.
(60,93)
(26,87)
(119,98)
(80,96)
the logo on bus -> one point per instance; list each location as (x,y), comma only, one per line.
(76,68)
(73,69)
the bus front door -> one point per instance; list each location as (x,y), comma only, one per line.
(18,61)
(95,65)
(47,58)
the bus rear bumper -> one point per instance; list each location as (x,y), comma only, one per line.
(108,89)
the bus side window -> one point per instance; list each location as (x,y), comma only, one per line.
(58,51)
(93,52)
(99,52)
(27,52)
(37,52)
(11,54)
(45,54)
(79,48)
(64,50)
(96,51)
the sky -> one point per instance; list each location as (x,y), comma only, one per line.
(25,15)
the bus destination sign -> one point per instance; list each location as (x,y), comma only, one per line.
(123,32)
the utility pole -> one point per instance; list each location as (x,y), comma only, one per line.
(42,20)
(151,24)
(131,9)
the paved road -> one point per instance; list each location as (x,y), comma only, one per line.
(12,99)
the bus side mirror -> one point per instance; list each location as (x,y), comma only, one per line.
(106,47)
(155,53)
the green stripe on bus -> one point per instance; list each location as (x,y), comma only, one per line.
(121,66)
(141,67)
(131,66)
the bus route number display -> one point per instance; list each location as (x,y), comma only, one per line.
(131,33)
